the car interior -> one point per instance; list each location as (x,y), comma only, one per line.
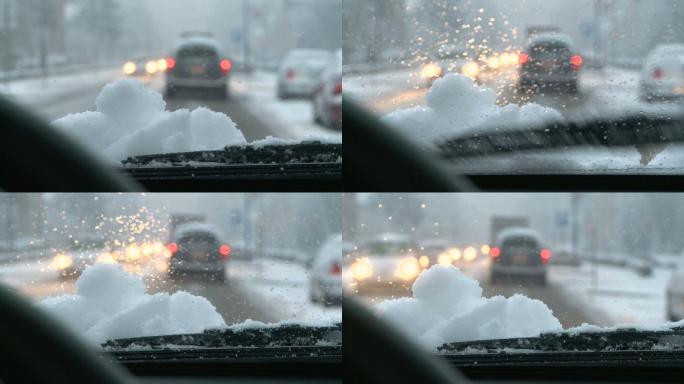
(36,157)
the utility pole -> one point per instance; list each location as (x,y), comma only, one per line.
(247,33)
(575,212)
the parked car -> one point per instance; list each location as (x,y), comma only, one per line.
(518,252)
(300,72)
(662,77)
(327,99)
(325,277)
(197,249)
(549,63)
(198,64)
(563,255)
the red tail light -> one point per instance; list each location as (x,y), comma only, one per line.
(576,62)
(224,251)
(172,247)
(338,88)
(545,255)
(658,73)
(335,269)
(523,58)
(495,252)
(290,74)
(226,65)
(170,63)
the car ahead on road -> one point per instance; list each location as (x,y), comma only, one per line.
(197,249)
(327,99)
(518,252)
(73,260)
(447,58)
(549,64)
(674,297)
(325,276)
(564,255)
(435,251)
(662,77)
(300,72)
(388,263)
(198,64)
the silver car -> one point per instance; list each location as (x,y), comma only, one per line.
(325,277)
(300,72)
(663,75)
(327,100)
(198,64)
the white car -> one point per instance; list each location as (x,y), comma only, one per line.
(388,262)
(300,72)
(325,277)
(327,99)
(662,77)
(675,294)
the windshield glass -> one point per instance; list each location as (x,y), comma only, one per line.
(521,266)
(176,264)
(563,70)
(129,78)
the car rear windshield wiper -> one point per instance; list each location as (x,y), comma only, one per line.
(627,339)
(311,152)
(290,335)
(638,130)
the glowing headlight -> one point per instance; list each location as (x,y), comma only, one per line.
(424,261)
(105,258)
(362,269)
(408,268)
(151,67)
(129,68)
(158,248)
(494,62)
(431,71)
(469,253)
(133,252)
(444,259)
(62,261)
(455,254)
(161,65)
(485,249)
(471,69)
(147,249)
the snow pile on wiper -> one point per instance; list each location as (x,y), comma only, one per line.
(132,120)
(456,106)
(112,304)
(448,306)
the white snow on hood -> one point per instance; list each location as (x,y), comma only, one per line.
(457,106)
(132,120)
(111,304)
(448,306)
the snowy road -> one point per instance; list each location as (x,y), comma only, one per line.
(253,105)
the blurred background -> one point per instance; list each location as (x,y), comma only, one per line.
(603,259)
(232,249)
(56,55)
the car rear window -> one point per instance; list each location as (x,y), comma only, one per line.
(197,51)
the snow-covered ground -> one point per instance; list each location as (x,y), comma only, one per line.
(280,286)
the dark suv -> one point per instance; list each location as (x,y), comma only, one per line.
(519,252)
(549,64)
(196,249)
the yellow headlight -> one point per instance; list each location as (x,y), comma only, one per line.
(158,248)
(129,68)
(62,261)
(469,253)
(471,69)
(494,62)
(424,261)
(485,249)
(151,67)
(362,269)
(455,254)
(105,258)
(147,249)
(132,252)
(161,65)
(444,259)
(431,71)
(408,268)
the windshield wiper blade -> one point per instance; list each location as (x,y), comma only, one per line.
(636,130)
(309,152)
(291,335)
(627,339)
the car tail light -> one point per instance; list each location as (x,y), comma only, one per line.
(226,66)
(495,252)
(338,88)
(170,63)
(657,73)
(523,58)
(172,247)
(224,251)
(545,255)
(290,74)
(576,62)
(335,269)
